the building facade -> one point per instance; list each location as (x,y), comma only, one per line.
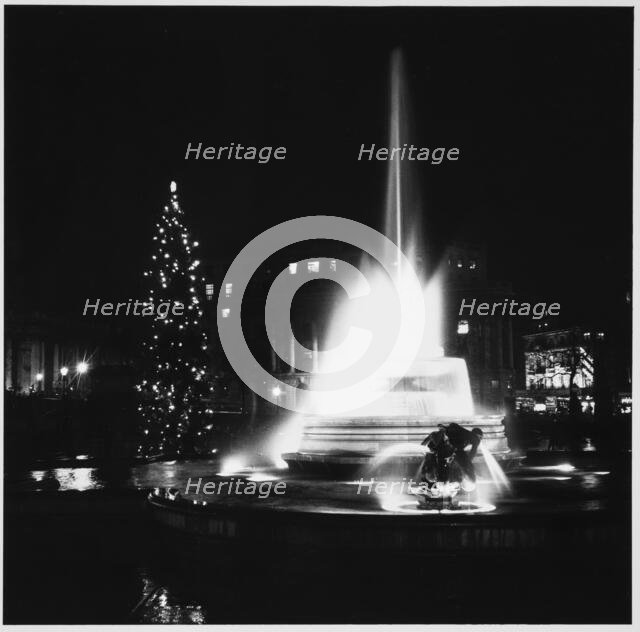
(563,364)
(50,355)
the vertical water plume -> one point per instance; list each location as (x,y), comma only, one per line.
(408,403)
(394,183)
(402,204)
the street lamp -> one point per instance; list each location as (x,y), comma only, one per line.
(82,367)
(38,385)
(276,392)
(63,372)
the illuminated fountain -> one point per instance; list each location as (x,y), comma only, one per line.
(367,502)
(435,390)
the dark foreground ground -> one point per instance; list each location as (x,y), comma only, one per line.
(94,556)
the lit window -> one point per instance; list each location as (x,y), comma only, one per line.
(472,265)
(585,406)
(495,383)
(293,268)
(463,327)
(208,288)
(540,408)
(228,288)
(313,266)
(225,312)
(333,265)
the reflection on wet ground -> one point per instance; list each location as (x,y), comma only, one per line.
(159,606)
(81,549)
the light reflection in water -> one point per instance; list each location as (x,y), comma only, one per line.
(161,607)
(539,479)
(68,478)
(258,477)
(590,481)
(464,507)
(561,467)
(77,478)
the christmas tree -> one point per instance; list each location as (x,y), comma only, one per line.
(175,387)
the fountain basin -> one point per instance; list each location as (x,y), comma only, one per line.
(346,444)
(333,516)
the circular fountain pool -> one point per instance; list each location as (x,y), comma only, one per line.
(547,507)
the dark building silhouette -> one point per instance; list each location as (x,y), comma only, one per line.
(485,342)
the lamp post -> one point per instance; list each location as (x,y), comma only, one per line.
(64,372)
(276,392)
(81,368)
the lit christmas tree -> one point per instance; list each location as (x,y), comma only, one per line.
(175,389)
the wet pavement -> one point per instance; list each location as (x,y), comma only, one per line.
(80,548)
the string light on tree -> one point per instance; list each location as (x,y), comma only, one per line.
(175,392)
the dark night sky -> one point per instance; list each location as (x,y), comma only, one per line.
(101,102)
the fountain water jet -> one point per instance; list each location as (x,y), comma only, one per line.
(436,389)
(497,473)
